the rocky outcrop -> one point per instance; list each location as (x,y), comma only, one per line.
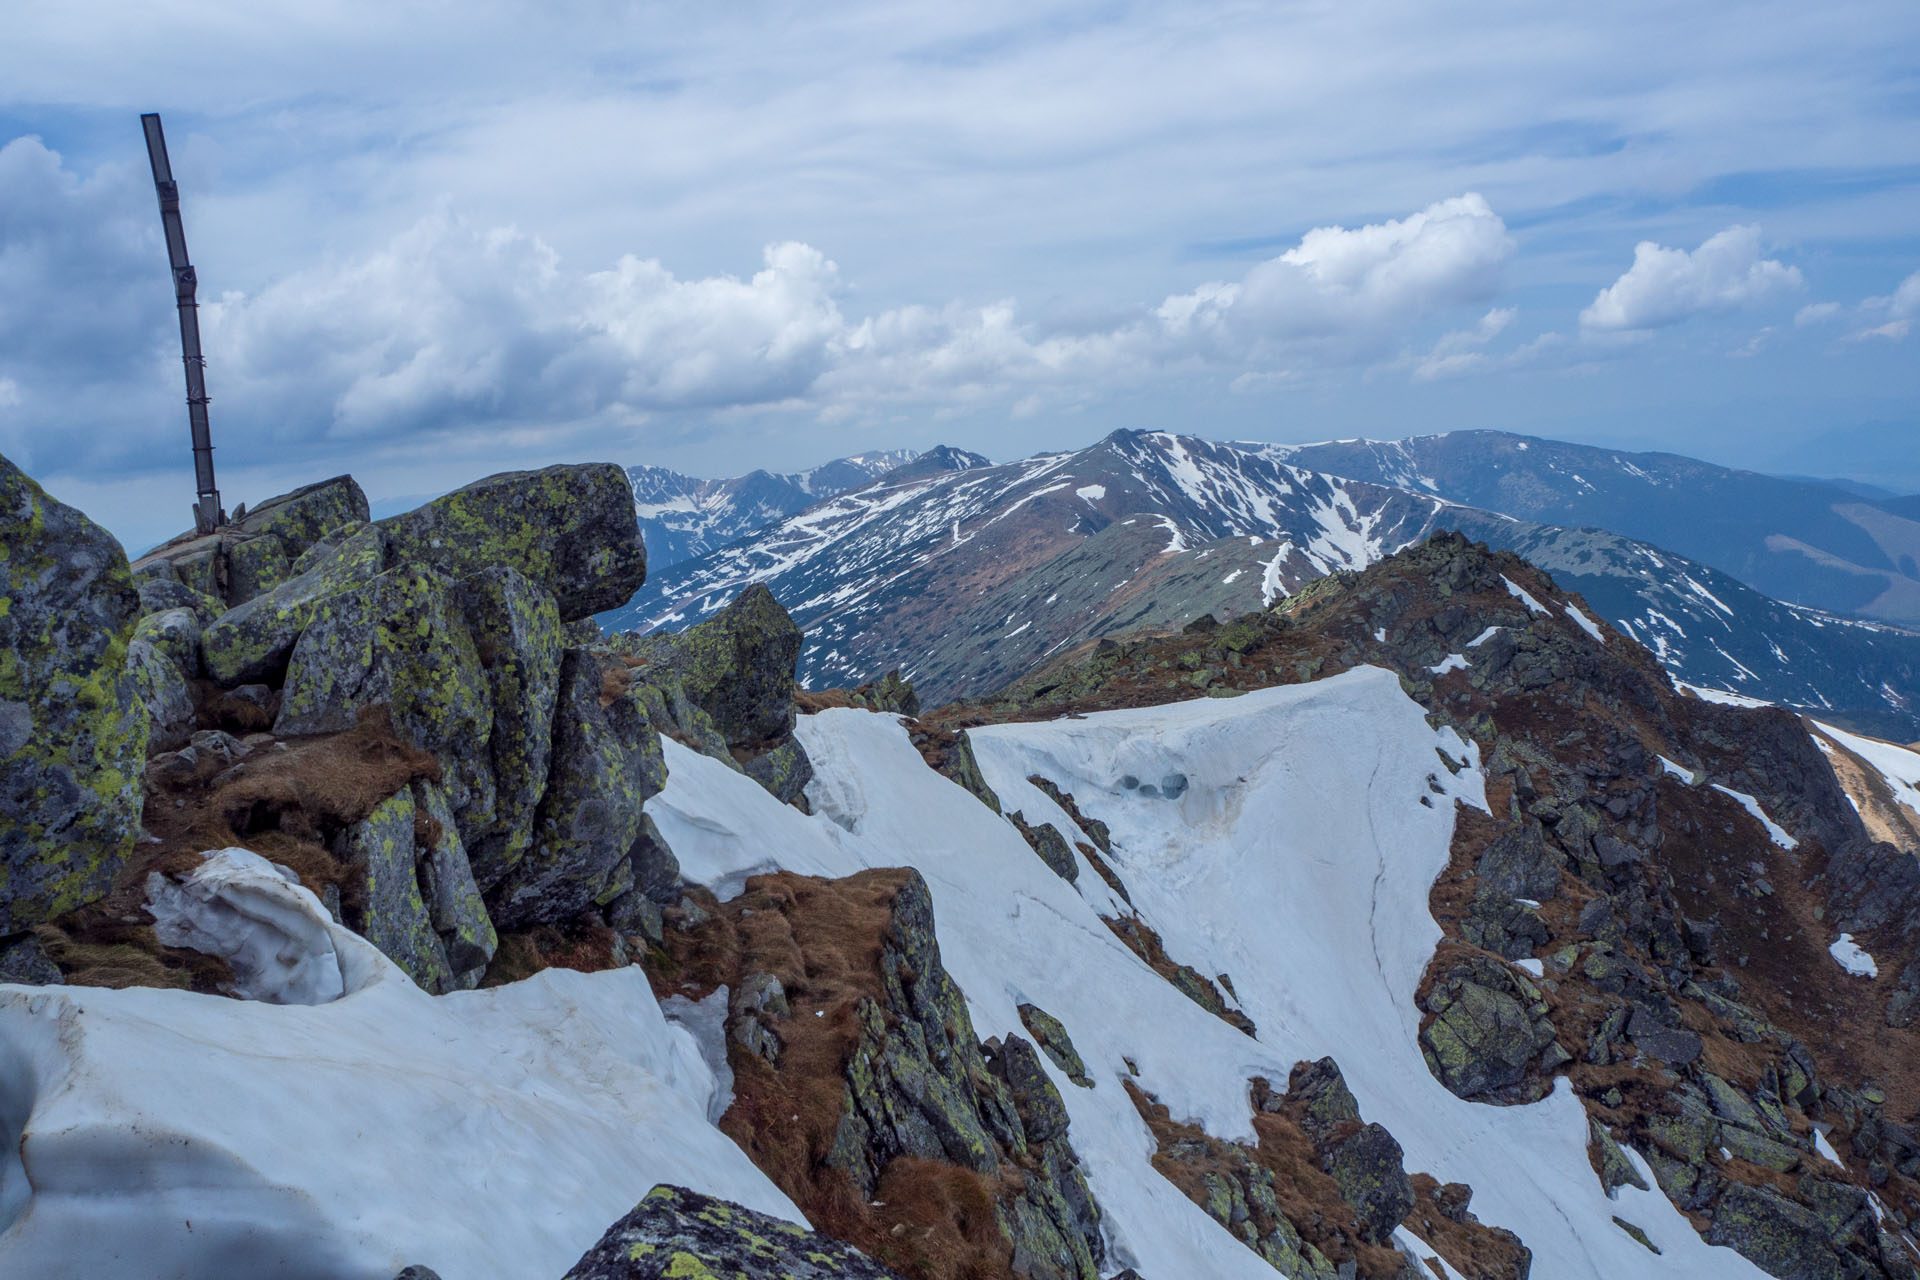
(606,763)
(860,1087)
(1320,1194)
(920,1086)
(737,666)
(675,1232)
(258,549)
(73,728)
(571,529)
(254,640)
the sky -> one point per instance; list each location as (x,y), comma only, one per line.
(438,240)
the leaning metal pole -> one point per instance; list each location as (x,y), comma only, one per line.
(207,515)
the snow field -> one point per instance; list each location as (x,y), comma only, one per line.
(1296,860)
(491,1135)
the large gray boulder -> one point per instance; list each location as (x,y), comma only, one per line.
(518,638)
(253,641)
(570,529)
(255,551)
(399,640)
(390,910)
(737,666)
(677,1232)
(73,731)
(607,762)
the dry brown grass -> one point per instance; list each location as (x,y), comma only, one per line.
(287,805)
(823,939)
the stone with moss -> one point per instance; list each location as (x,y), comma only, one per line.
(737,666)
(784,771)
(160,591)
(391,911)
(677,1234)
(569,529)
(253,641)
(161,684)
(73,730)
(1778,1236)
(1616,1170)
(607,763)
(400,641)
(454,905)
(1490,1030)
(1368,1168)
(518,638)
(1053,1040)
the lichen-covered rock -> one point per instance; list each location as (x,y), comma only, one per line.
(737,666)
(1367,1167)
(255,566)
(680,1234)
(784,771)
(1052,1038)
(454,905)
(570,529)
(73,731)
(1050,845)
(401,641)
(160,591)
(254,640)
(606,764)
(1520,863)
(1780,1237)
(918,1085)
(393,913)
(25,961)
(300,518)
(162,688)
(518,637)
(1490,1028)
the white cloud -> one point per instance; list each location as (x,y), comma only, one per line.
(9,393)
(1460,352)
(1666,286)
(1353,287)
(1894,313)
(1816,313)
(452,327)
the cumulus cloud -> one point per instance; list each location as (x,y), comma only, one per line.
(1359,286)
(453,327)
(1666,286)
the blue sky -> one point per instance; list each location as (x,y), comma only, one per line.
(437,240)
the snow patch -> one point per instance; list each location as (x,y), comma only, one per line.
(1452,662)
(1484,636)
(1847,953)
(1519,593)
(1586,624)
(1775,832)
(1091,492)
(1679,771)
(167,1133)
(274,935)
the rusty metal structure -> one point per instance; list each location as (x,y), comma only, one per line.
(207,515)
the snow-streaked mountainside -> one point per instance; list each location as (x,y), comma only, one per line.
(1807,542)
(965,580)
(682,516)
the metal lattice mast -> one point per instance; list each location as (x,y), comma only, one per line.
(207,515)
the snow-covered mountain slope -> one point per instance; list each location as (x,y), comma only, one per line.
(682,516)
(1296,859)
(965,580)
(1802,541)
(167,1135)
